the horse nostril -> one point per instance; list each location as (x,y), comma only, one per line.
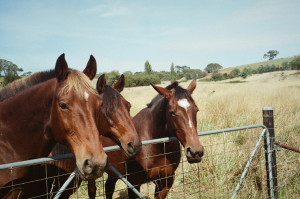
(130,147)
(190,151)
(87,167)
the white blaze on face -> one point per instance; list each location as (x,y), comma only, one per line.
(86,95)
(185,104)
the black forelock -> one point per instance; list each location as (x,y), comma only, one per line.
(111,101)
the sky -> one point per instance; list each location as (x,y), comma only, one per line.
(122,35)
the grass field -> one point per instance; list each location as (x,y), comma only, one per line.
(228,104)
(232,103)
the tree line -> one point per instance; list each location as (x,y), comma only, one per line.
(150,76)
(11,71)
(292,65)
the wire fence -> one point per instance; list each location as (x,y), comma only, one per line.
(227,153)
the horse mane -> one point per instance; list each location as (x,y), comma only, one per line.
(179,93)
(20,85)
(76,80)
(111,100)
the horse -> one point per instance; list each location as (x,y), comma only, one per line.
(171,113)
(114,122)
(57,106)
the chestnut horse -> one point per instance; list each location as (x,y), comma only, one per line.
(45,108)
(114,121)
(172,113)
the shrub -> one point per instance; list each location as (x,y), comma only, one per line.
(10,77)
(295,63)
(244,73)
(217,77)
(141,79)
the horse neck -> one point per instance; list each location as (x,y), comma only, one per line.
(158,112)
(23,119)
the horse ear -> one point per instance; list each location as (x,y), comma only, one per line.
(91,68)
(192,86)
(101,84)
(61,68)
(163,92)
(119,86)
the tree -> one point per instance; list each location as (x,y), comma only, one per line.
(182,69)
(128,73)
(271,54)
(148,69)
(112,77)
(173,73)
(213,67)
(9,67)
(10,71)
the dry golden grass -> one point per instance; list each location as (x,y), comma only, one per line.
(224,105)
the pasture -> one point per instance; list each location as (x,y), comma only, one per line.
(228,104)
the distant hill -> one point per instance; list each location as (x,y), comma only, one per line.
(276,62)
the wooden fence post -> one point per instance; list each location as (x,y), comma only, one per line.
(268,121)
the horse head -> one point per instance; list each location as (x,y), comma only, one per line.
(181,116)
(114,118)
(73,118)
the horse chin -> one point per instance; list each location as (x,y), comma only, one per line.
(88,177)
(194,160)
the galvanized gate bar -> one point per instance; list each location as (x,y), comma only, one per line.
(35,161)
(248,164)
(126,181)
(65,185)
(72,175)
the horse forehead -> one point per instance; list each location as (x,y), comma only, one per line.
(86,95)
(184,103)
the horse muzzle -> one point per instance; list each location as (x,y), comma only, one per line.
(194,156)
(90,169)
(132,149)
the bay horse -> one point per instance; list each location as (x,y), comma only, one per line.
(171,113)
(114,121)
(45,108)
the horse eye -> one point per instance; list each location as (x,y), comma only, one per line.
(129,106)
(172,113)
(63,106)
